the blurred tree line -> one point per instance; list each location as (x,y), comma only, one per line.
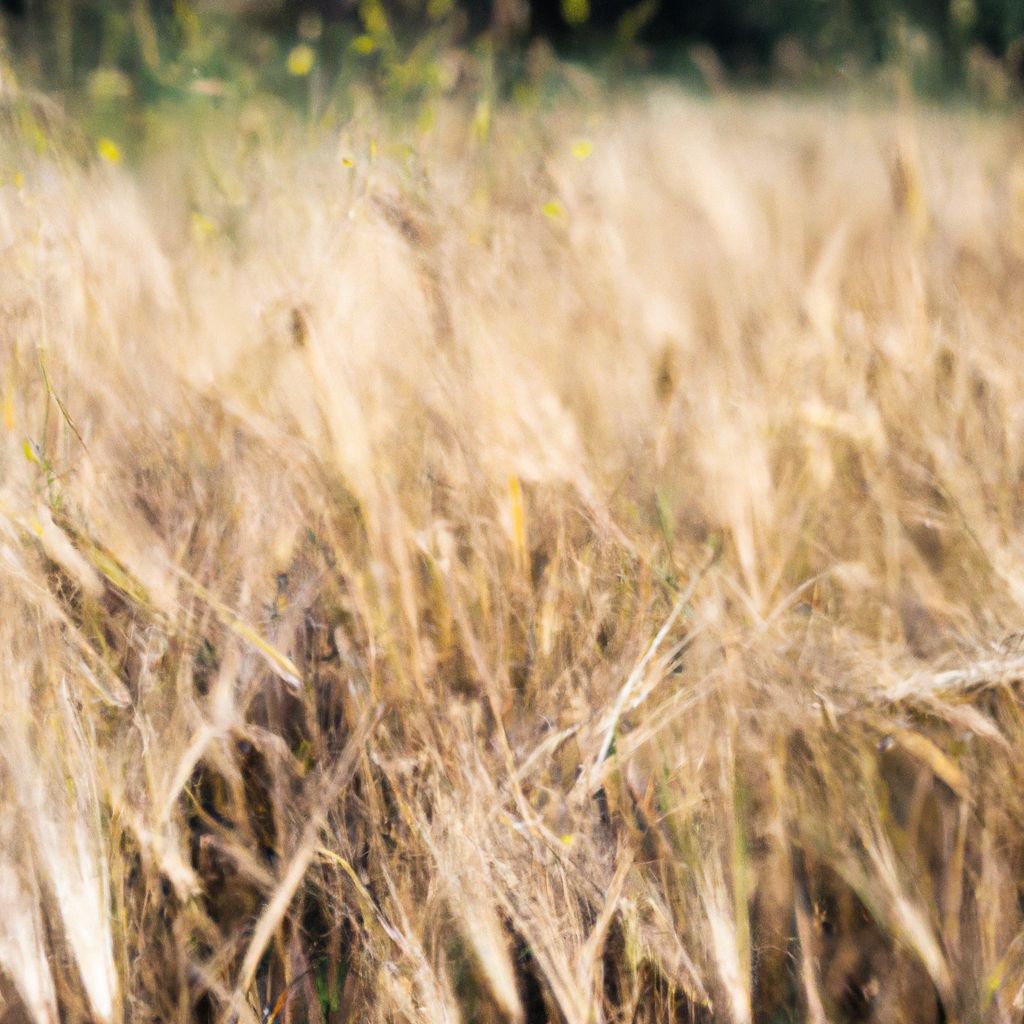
(753,37)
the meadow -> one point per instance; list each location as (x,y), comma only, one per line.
(533,563)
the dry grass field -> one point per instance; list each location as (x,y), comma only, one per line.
(567,568)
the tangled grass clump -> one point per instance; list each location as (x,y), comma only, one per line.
(566,572)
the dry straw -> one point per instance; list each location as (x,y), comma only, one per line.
(414,606)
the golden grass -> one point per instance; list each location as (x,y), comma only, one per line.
(570,574)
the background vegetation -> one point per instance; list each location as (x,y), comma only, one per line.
(161,41)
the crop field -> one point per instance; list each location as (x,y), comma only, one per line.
(556,562)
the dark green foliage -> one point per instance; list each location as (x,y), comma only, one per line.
(154,41)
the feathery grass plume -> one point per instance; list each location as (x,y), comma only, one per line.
(23,954)
(57,801)
(466,876)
